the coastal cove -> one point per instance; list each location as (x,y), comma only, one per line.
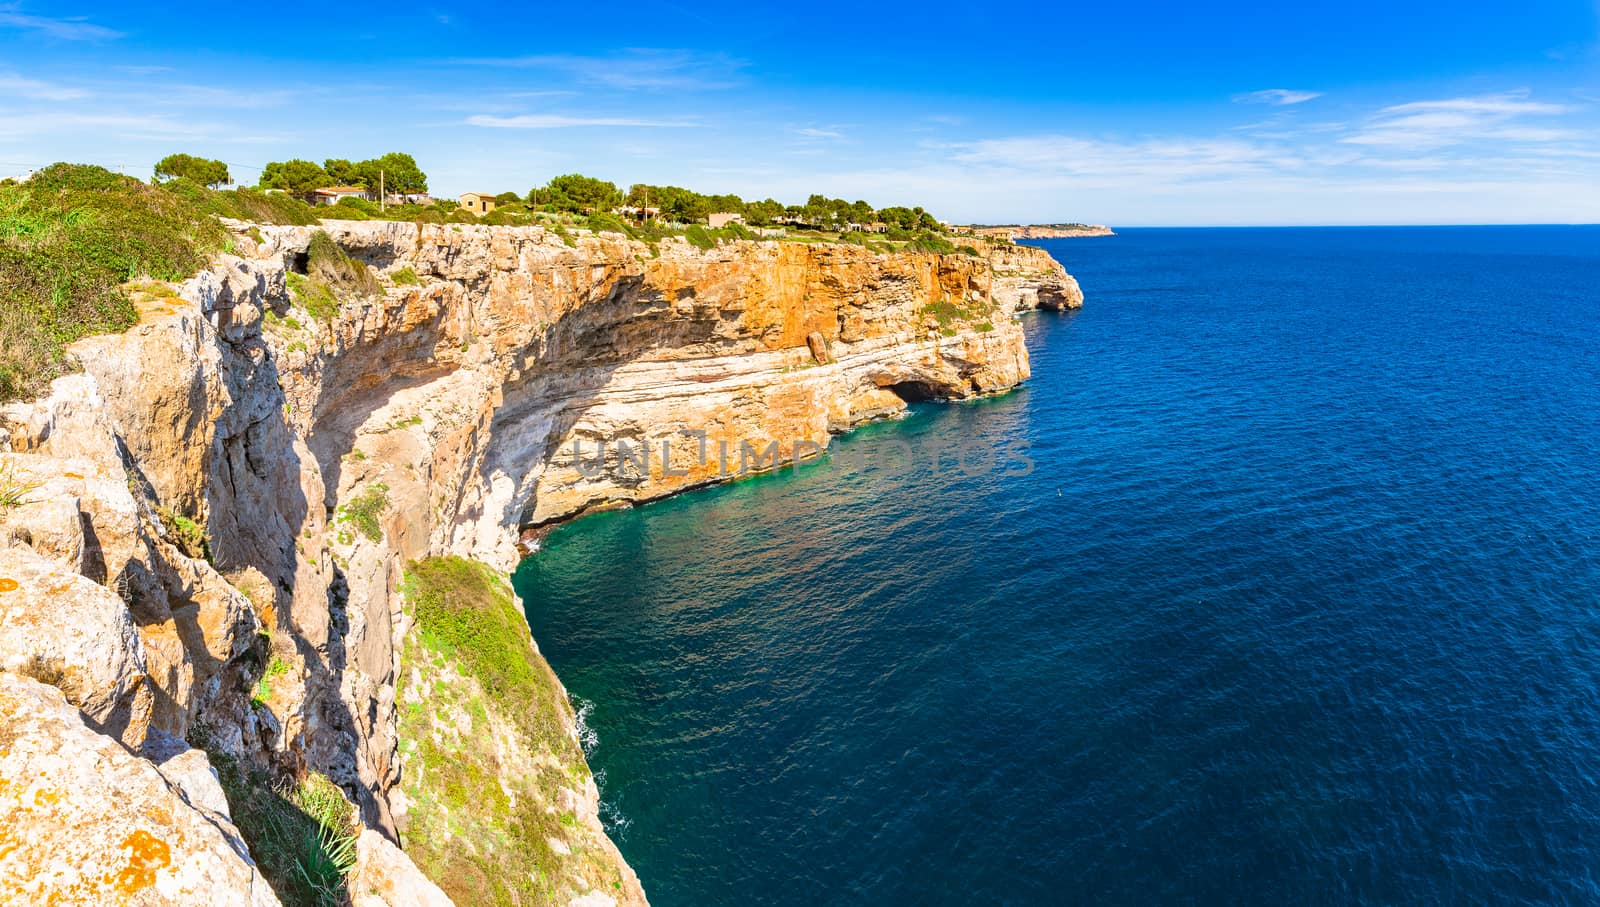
(1296,602)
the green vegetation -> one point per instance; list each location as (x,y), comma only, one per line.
(400,174)
(931,242)
(13,491)
(576,193)
(189,536)
(301,834)
(68,238)
(330,275)
(363,510)
(483,814)
(263,691)
(204,171)
(73,234)
(313,296)
(608,223)
(947,313)
(700,237)
(405,277)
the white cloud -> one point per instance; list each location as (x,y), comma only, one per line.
(1278,97)
(71,28)
(554,121)
(1510,103)
(637,69)
(106,125)
(812,132)
(35,90)
(1420,125)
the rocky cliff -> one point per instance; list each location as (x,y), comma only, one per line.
(256,539)
(1045,231)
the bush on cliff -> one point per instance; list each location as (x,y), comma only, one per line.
(73,234)
(331,275)
(69,238)
(301,834)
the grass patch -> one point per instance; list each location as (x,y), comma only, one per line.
(483,814)
(947,312)
(699,237)
(330,275)
(73,234)
(314,296)
(301,834)
(405,277)
(608,223)
(13,491)
(188,535)
(276,668)
(363,510)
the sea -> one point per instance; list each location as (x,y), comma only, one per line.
(1281,586)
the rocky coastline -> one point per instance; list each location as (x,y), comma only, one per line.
(1044,231)
(254,537)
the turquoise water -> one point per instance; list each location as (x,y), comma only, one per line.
(1300,603)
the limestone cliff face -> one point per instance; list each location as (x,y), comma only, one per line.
(235,482)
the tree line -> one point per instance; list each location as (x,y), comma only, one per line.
(571,193)
(578,194)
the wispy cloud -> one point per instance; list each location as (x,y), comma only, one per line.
(813,132)
(1277,97)
(1100,161)
(556,121)
(34,90)
(70,28)
(631,70)
(106,125)
(1455,121)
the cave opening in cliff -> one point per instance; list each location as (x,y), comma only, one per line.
(916,391)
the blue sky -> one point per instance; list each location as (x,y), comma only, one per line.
(1132,113)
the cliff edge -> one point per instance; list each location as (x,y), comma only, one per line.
(254,553)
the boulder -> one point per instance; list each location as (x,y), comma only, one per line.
(83,821)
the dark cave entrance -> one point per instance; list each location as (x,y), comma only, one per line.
(916,391)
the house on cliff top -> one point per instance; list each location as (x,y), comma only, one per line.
(478,202)
(332,195)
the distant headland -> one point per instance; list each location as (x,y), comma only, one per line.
(1041,231)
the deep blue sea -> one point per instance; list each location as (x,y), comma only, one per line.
(1299,604)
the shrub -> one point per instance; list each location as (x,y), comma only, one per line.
(699,237)
(189,536)
(608,223)
(314,296)
(263,691)
(301,834)
(363,511)
(931,242)
(328,263)
(74,233)
(405,277)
